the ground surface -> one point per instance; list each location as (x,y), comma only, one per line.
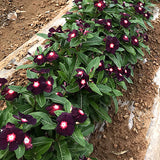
(117,141)
(32,15)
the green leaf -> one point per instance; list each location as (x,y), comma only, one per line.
(88,130)
(78,137)
(100,76)
(115,103)
(93,64)
(104,88)
(83,58)
(20,151)
(122,84)
(93,41)
(18,89)
(117,92)
(95,50)
(140,22)
(74,42)
(3,153)
(140,51)
(41,141)
(102,112)
(115,60)
(63,152)
(130,49)
(58,112)
(41,100)
(31,74)
(72,88)
(49,126)
(33,65)
(43,35)
(95,88)
(67,106)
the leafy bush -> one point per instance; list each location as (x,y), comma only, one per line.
(73,80)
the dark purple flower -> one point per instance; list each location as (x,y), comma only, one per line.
(52,31)
(100,21)
(147,15)
(42,71)
(125,14)
(12,136)
(134,41)
(25,119)
(27,142)
(48,45)
(119,73)
(9,94)
(78,115)
(125,22)
(145,36)
(112,44)
(101,66)
(139,9)
(76,1)
(2,82)
(127,72)
(80,72)
(54,107)
(100,5)
(108,24)
(66,124)
(59,94)
(72,34)
(51,56)
(83,82)
(141,4)
(39,59)
(125,38)
(37,86)
(49,85)
(124,4)
(110,69)
(83,158)
(115,1)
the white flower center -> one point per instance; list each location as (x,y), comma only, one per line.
(83,81)
(10,91)
(136,40)
(99,4)
(63,124)
(11,137)
(49,83)
(51,54)
(73,35)
(125,21)
(36,84)
(40,57)
(26,140)
(140,8)
(108,24)
(81,112)
(24,120)
(111,45)
(56,107)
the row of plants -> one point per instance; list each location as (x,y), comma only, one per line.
(73,80)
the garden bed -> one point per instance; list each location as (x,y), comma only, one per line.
(116,141)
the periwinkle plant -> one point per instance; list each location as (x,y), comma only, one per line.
(72,81)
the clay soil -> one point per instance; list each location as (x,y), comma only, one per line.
(117,141)
(32,15)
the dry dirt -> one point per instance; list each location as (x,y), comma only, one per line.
(32,15)
(117,142)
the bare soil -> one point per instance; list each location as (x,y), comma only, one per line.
(32,15)
(117,141)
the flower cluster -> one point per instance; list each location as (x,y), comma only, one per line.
(41,59)
(40,84)
(13,136)
(66,121)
